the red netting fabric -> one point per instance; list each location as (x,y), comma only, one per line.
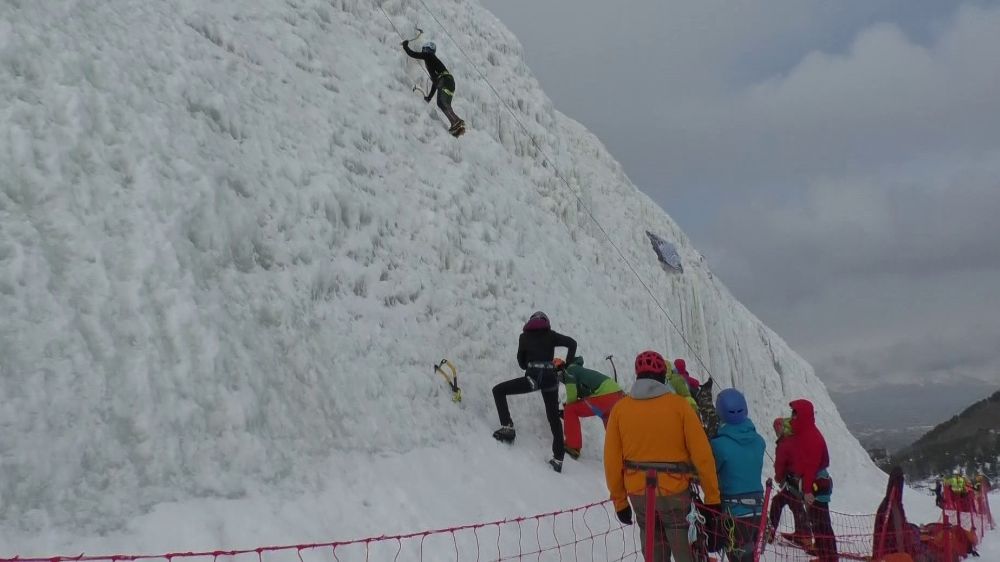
(784,530)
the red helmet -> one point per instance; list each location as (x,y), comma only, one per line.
(650,363)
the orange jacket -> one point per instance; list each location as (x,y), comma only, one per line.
(654,425)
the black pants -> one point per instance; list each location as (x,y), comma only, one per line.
(446,91)
(822,529)
(794,502)
(550,397)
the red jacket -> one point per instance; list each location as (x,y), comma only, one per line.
(808,448)
(681,367)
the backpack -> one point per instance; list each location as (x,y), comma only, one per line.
(706,408)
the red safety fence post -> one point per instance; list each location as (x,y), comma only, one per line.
(946,529)
(880,547)
(958,517)
(651,485)
(758,549)
(898,529)
(973,512)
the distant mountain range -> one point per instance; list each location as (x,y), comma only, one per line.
(893,416)
(970,441)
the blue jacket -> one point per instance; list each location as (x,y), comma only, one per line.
(739,461)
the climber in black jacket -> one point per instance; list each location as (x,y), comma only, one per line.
(442,82)
(535,351)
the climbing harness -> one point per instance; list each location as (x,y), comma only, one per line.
(451,379)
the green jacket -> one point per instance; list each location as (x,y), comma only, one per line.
(956,482)
(583,383)
(680,386)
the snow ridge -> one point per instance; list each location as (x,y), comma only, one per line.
(233,242)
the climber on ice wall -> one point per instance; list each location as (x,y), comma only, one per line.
(442,83)
(535,352)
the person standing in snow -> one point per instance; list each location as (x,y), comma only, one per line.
(958,484)
(680,367)
(958,490)
(789,493)
(535,350)
(588,393)
(810,461)
(739,460)
(655,429)
(442,82)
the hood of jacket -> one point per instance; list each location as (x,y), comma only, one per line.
(744,433)
(681,366)
(645,389)
(537,325)
(805,415)
(578,361)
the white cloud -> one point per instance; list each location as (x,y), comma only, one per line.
(837,163)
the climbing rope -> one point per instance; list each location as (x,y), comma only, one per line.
(562,178)
(394,28)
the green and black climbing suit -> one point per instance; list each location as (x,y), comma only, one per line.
(442,82)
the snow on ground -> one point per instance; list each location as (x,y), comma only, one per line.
(989,549)
(233,241)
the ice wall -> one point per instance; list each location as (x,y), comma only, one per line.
(233,241)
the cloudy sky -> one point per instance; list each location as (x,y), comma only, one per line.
(838,163)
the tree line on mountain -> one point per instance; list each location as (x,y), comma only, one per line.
(969,441)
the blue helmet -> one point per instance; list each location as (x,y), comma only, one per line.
(429,47)
(732,406)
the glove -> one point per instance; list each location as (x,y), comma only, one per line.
(427,99)
(625,515)
(561,413)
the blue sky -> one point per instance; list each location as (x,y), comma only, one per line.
(837,162)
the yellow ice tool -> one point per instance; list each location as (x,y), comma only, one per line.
(451,379)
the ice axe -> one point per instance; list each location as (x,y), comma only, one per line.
(611,358)
(451,379)
(417,36)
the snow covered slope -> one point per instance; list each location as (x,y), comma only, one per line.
(233,242)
